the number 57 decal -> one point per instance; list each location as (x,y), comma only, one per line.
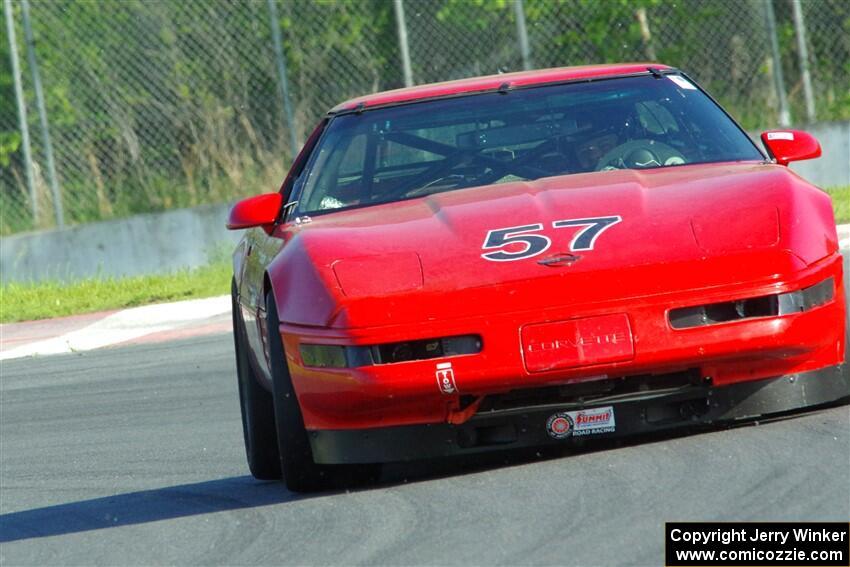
(534,244)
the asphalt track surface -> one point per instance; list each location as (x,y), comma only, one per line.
(134,456)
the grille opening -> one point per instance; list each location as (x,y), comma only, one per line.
(591,392)
(338,356)
(764,306)
(425,349)
(715,313)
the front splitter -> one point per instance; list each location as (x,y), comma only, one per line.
(527,427)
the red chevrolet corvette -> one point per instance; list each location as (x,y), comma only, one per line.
(524,260)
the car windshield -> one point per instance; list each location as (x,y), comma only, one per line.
(406,151)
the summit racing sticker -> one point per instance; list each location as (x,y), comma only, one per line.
(582,422)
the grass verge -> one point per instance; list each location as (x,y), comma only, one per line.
(841,203)
(42,300)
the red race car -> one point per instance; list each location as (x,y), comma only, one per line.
(524,260)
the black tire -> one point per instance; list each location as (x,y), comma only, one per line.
(300,471)
(257,406)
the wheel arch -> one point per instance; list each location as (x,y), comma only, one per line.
(303,294)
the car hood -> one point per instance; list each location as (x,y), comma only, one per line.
(687,227)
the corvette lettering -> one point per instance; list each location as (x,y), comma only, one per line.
(555,344)
(520,242)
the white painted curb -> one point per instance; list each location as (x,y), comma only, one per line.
(126,325)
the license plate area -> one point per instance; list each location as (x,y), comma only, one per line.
(577,342)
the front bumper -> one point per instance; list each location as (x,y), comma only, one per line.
(409,393)
(528,427)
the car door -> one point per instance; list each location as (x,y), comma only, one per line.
(260,248)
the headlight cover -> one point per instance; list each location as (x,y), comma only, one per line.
(338,356)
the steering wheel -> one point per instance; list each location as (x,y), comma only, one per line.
(439,172)
(640,154)
(451,180)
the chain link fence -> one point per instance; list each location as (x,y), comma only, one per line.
(152,105)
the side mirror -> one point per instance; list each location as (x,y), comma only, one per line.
(261,210)
(786,146)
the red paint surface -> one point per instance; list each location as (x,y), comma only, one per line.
(366,276)
(653,261)
(255,211)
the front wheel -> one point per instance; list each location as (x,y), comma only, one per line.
(255,403)
(300,472)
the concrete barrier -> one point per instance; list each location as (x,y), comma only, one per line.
(142,244)
(186,238)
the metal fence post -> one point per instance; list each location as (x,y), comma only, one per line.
(42,116)
(522,32)
(803,53)
(281,71)
(404,48)
(778,79)
(645,33)
(22,108)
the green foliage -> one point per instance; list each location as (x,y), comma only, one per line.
(156,105)
(841,203)
(10,137)
(10,141)
(8,112)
